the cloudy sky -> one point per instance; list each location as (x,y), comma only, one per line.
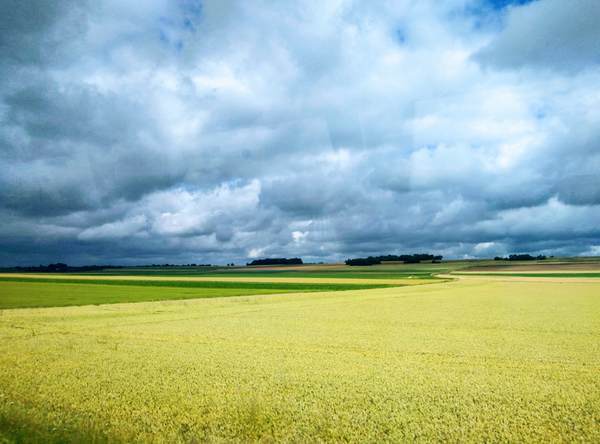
(140,131)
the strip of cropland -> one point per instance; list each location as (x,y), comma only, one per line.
(334,275)
(326,271)
(545,274)
(50,291)
(463,361)
(218,280)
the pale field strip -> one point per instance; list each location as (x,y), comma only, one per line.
(557,267)
(509,278)
(249,279)
(532,271)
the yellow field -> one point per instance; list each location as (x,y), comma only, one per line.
(470,360)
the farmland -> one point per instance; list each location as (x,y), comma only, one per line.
(472,359)
(44,291)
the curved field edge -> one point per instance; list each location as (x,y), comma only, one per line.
(32,293)
(18,292)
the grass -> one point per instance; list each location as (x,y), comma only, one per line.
(461,361)
(42,294)
(18,292)
(290,286)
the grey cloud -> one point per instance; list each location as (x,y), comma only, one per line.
(310,195)
(580,190)
(212,132)
(35,31)
(557,34)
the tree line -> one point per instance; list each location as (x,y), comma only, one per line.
(405,258)
(60,267)
(276,261)
(520,257)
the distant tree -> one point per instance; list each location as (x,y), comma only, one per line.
(525,257)
(276,261)
(406,258)
(361,262)
(59,267)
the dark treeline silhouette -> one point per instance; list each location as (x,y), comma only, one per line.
(170,265)
(520,257)
(59,267)
(277,261)
(406,258)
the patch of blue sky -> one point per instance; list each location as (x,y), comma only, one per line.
(192,13)
(172,29)
(401,36)
(486,13)
(501,4)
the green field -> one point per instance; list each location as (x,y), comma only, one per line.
(469,360)
(21,292)
(34,294)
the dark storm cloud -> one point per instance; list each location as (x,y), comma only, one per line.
(73,148)
(35,31)
(580,190)
(214,131)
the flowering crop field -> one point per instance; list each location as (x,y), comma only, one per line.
(469,360)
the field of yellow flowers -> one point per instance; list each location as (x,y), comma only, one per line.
(470,360)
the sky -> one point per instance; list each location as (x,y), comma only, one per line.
(217,131)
